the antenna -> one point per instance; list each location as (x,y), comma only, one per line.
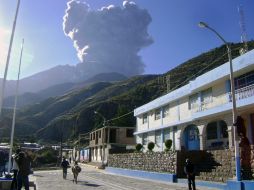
(244,49)
(164,80)
(160,80)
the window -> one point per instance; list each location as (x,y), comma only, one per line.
(217,130)
(244,80)
(158,138)
(145,118)
(166,134)
(99,134)
(91,136)
(193,101)
(157,114)
(223,129)
(145,139)
(129,132)
(206,96)
(212,131)
(165,111)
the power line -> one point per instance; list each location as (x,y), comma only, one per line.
(120,116)
(177,85)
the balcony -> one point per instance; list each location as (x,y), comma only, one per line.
(241,93)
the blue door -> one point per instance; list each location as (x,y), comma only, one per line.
(191,138)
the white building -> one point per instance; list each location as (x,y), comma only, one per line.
(198,115)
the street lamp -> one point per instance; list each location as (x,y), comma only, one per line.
(237,155)
(104,119)
(103,135)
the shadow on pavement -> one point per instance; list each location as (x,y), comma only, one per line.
(85,183)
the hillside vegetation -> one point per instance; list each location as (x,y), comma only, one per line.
(73,113)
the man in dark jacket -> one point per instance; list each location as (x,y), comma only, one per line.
(65,164)
(24,164)
(189,170)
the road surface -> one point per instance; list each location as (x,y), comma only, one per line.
(94,179)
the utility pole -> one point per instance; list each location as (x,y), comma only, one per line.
(8,57)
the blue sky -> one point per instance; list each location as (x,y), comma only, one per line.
(174,29)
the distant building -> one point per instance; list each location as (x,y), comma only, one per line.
(30,146)
(110,139)
(198,115)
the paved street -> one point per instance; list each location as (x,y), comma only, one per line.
(91,178)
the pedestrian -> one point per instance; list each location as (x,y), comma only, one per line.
(70,160)
(65,164)
(24,164)
(2,163)
(189,170)
(15,170)
(76,169)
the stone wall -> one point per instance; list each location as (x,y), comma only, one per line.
(247,162)
(252,159)
(149,161)
(215,165)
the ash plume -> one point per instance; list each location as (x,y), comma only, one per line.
(108,39)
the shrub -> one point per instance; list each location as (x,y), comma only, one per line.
(168,144)
(46,156)
(150,146)
(139,147)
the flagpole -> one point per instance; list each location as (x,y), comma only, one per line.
(14,109)
(8,57)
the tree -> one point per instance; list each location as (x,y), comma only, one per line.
(150,146)
(168,144)
(139,147)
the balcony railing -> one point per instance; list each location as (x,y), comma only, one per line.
(244,92)
(241,93)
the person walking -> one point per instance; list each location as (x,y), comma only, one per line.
(2,163)
(15,170)
(189,170)
(65,164)
(24,164)
(76,169)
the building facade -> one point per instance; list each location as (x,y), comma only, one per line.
(110,139)
(198,116)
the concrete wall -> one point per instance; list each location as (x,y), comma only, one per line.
(121,137)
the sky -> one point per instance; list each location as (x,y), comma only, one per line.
(173,29)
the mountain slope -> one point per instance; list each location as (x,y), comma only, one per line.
(73,113)
(60,89)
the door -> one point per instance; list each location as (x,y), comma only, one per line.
(112,136)
(191,135)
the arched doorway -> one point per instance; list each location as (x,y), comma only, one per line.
(191,138)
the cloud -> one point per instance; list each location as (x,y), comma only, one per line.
(108,39)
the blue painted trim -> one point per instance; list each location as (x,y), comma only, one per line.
(143,174)
(238,168)
(5,179)
(248,185)
(166,177)
(233,185)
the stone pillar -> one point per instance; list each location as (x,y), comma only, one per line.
(202,137)
(179,139)
(231,136)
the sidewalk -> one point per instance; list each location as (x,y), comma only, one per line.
(96,165)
